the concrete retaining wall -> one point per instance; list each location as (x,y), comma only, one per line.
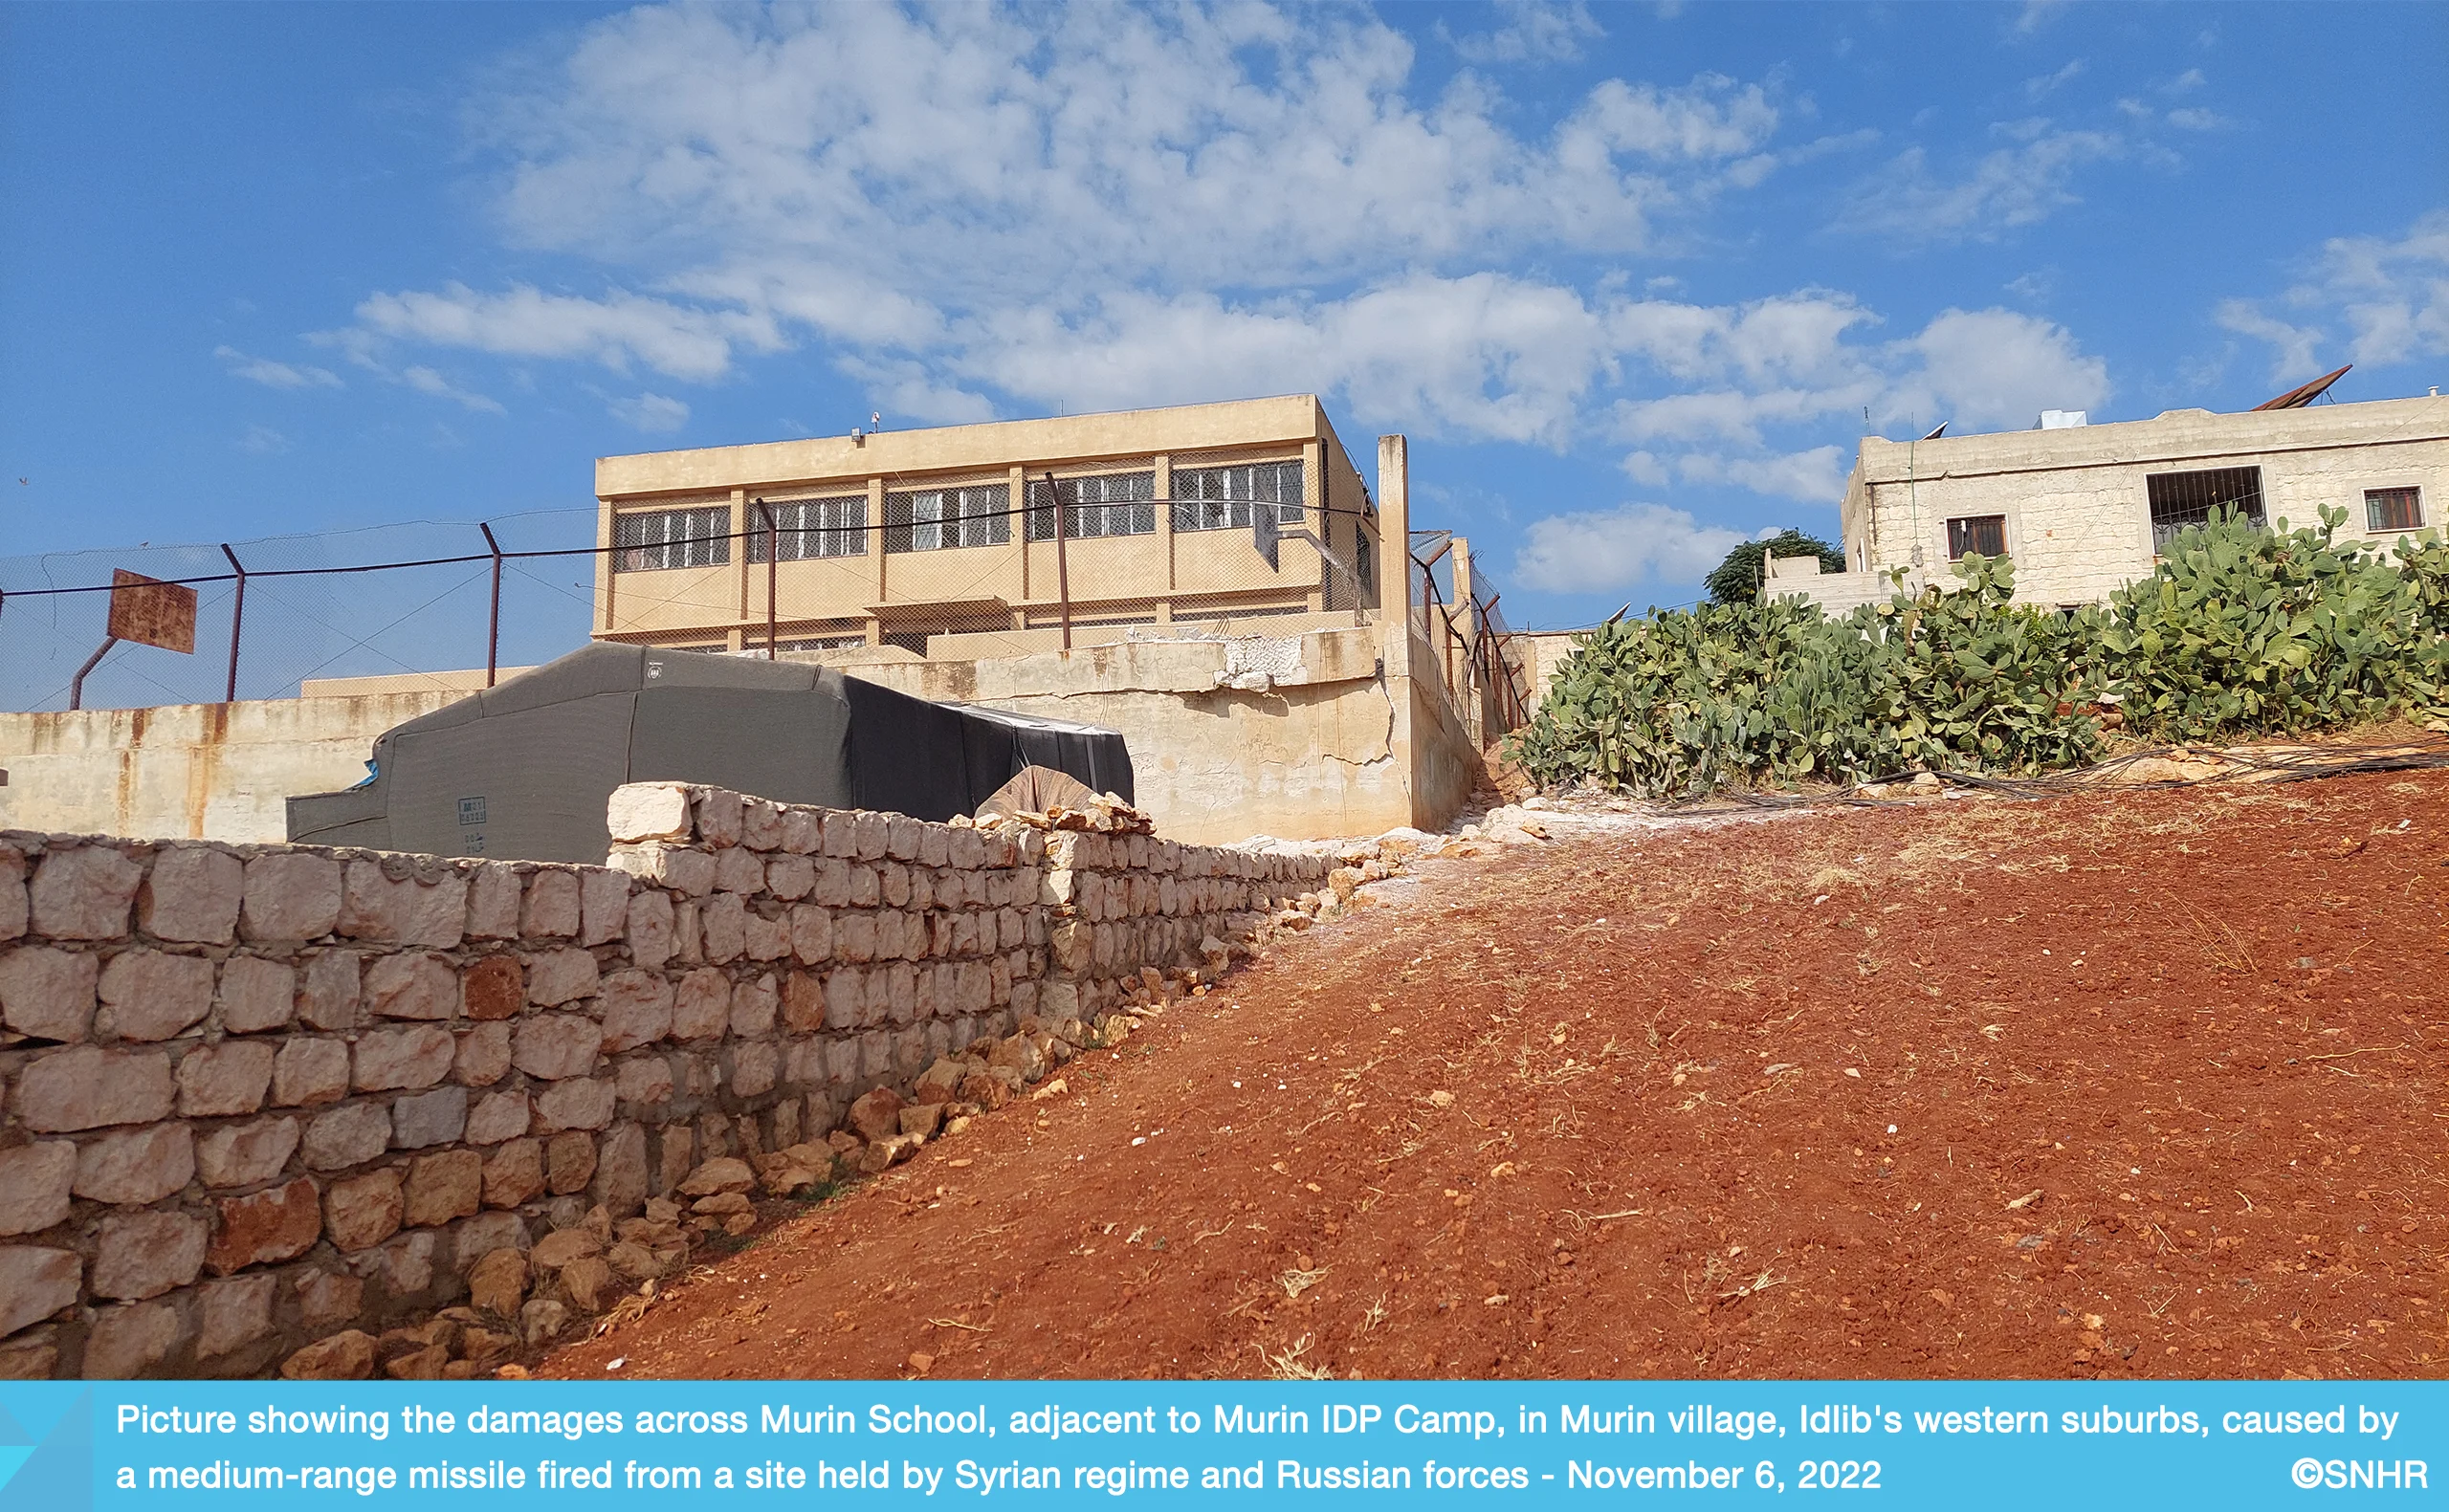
(252,1097)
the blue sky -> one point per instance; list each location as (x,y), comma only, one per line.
(1629,275)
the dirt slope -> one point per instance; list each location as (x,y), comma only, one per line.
(1623,1105)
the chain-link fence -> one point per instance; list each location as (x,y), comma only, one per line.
(1454,606)
(407,600)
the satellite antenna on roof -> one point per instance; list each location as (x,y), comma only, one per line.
(2299,398)
(1936,434)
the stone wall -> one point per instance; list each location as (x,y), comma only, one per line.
(252,1097)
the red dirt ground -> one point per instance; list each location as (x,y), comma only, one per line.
(2207,1026)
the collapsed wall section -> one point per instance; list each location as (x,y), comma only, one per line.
(251,1096)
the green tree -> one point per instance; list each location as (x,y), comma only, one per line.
(1738,578)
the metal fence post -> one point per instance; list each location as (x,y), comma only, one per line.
(773,563)
(238,622)
(493,625)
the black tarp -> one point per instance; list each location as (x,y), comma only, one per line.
(522,772)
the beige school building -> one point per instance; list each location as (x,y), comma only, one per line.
(2083,509)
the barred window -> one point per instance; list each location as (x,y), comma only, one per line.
(2180,499)
(1220,498)
(1108,504)
(938,520)
(671,537)
(809,528)
(2394,509)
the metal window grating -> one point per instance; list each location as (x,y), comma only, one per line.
(2182,500)
(806,529)
(1222,498)
(660,539)
(944,518)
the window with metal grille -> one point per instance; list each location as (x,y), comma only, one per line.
(671,537)
(1982,534)
(809,528)
(2394,509)
(936,520)
(2180,499)
(1108,504)
(1220,498)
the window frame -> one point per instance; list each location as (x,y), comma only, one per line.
(800,523)
(1125,505)
(644,540)
(1960,544)
(922,520)
(1228,507)
(2373,498)
(2169,517)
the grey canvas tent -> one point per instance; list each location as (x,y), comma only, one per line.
(522,772)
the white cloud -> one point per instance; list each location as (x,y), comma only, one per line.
(275,375)
(425,381)
(1048,206)
(1816,476)
(2016,186)
(2391,295)
(2193,117)
(1998,369)
(2035,14)
(263,441)
(653,413)
(2047,84)
(1536,31)
(1596,551)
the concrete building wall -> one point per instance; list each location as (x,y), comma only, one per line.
(190,771)
(2078,520)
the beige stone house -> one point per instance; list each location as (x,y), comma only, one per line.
(988,539)
(2082,509)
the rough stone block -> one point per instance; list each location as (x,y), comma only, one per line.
(515,1173)
(445,1186)
(191,895)
(234,1314)
(137,1167)
(640,811)
(575,1104)
(637,1009)
(401,910)
(308,1072)
(364,1210)
(552,1046)
(490,989)
(35,1181)
(493,902)
(753,1005)
(765,939)
(265,1227)
(756,1069)
(726,934)
(257,995)
(644,1080)
(324,1299)
(132,1341)
(482,1235)
(48,994)
(329,1000)
(142,1254)
(563,975)
(650,929)
(701,1005)
(483,1056)
(569,1162)
(855,937)
(217,1080)
(346,1356)
(552,907)
(498,1282)
(248,1153)
(439,1117)
(846,997)
(89,1088)
(290,896)
(151,995)
(739,870)
(347,1136)
(411,986)
(603,906)
(790,877)
(498,1116)
(36,1282)
(414,1056)
(13,892)
(83,892)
